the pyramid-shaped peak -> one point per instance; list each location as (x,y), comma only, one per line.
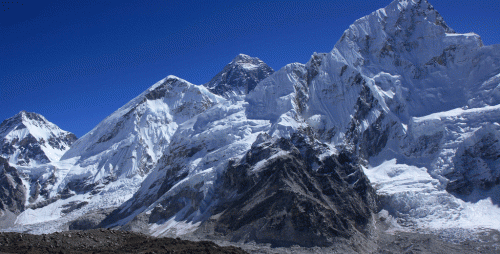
(247,62)
(240,76)
(29,139)
(22,117)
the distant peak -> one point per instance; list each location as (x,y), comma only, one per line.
(24,115)
(240,76)
(21,120)
(21,114)
(172,77)
(242,58)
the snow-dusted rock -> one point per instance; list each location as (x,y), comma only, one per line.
(239,77)
(29,139)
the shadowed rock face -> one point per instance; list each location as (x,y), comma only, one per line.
(287,202)
(12,190)
(240,76)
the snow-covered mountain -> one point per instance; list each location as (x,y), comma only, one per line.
(401,116)
(130,141)
(29,139)
(106,166)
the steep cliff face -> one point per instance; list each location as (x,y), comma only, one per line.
(13,192)
(282,193)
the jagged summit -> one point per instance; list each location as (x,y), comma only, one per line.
(422,8)
(29,139)
(21,116)
(240,76)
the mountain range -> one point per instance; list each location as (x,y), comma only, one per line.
(400,121)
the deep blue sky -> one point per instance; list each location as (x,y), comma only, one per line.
(75,62)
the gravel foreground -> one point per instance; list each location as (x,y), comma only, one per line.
(408,243)
(114,241)
(105,241)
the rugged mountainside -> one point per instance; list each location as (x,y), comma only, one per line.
(275,195)
(130,141)
(106,166)
(13,192)
(29,139)
(401,116)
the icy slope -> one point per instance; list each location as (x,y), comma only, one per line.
(29,139)
(130,141)
(459,147)
(417,201)
(430,108)
(398,62)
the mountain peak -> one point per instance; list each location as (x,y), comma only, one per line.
(240,76)
(21,118)
(420,8)
(29,138)
(27,116)
(409,33)
(172,77)
(243,57)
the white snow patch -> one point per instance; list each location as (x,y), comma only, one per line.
(411,194)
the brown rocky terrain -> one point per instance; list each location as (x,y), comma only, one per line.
(104,241)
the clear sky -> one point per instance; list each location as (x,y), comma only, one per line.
(77,61)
